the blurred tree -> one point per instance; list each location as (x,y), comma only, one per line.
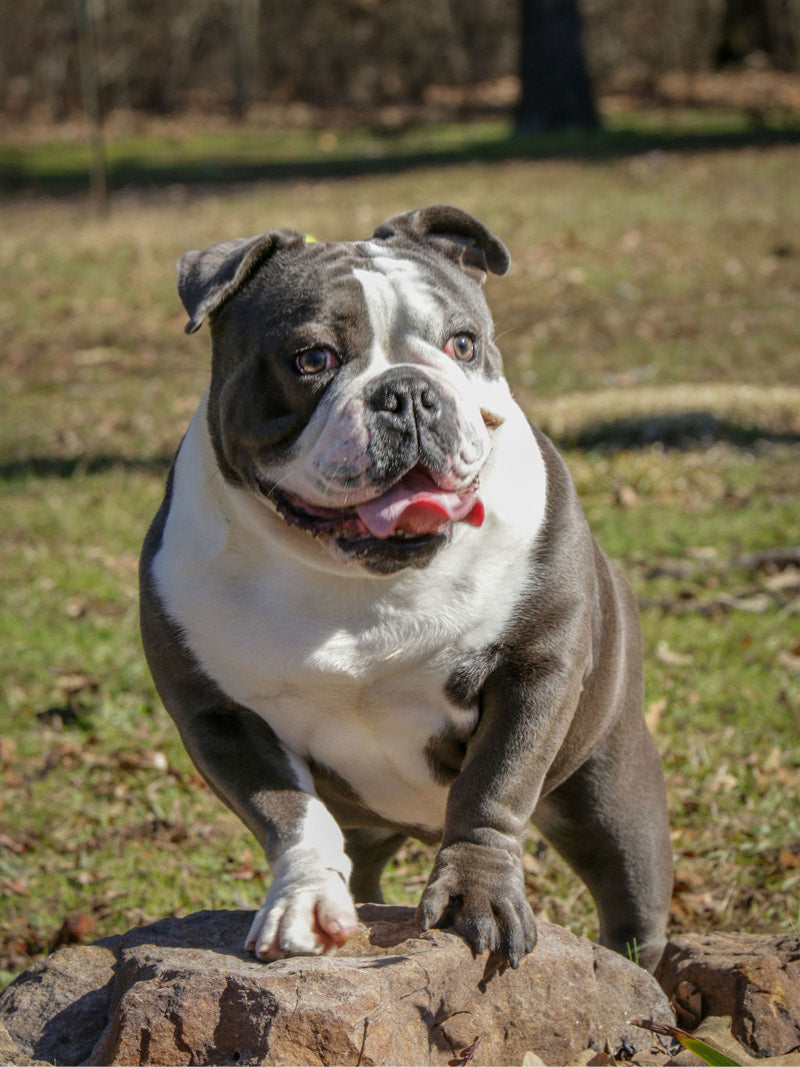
(90,87)
(368,56)
(765,28)
(556,93)
(245,15)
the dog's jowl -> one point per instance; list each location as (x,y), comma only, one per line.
(371,602)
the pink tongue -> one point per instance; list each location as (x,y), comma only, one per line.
(415,505)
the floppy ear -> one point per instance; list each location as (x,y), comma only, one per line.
(207,278)
(456,234)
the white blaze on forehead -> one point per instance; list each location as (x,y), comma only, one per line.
(392,286)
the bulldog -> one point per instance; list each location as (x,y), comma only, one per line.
(372,604)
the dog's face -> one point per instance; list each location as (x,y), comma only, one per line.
(352,384)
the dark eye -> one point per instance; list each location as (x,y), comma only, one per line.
(316,360)
(462,347)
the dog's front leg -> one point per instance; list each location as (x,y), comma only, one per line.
(477,885)
(308,909)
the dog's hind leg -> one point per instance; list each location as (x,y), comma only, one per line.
(609,821)
(370,849)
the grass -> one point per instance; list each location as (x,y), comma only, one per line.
(216,150)
(649,323)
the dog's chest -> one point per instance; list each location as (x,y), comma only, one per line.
(358,688)
(368,715)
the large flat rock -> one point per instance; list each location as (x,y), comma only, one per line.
(182,991)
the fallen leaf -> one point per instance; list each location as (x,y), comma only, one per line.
(773,761)
(709,1054)
(688,1004)
(155,759)
(758,603)
(705,552)
(654,714)
(88,877)
(12,846)
(782,580)
(686,906)
(790,660)
(531,863)
(245,874)
(721,781)
(16,886)
(73,682)
(77,607)
(73,931)
(8,750)
(626,497)
(673,659)
(465,1055)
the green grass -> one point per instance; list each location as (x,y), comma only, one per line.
(643,288)
(246,146)
(212,150)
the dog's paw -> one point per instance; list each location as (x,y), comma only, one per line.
(307,913)
(479,892)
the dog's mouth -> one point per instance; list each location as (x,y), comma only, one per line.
(411,512)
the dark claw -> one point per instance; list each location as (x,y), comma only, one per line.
(486,903)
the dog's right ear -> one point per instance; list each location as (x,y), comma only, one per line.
(208,278)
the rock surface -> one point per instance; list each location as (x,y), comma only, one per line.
(181,991)
(753,978)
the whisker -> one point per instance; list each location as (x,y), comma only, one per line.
(511,329)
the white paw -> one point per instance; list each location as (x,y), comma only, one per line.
(308,911)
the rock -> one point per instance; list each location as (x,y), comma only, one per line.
(754,978)
(182,991)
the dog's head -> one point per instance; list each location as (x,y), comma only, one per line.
(352,383)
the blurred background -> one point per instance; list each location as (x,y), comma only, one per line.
(641,162)
(384,61)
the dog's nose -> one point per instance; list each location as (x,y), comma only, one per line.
(405,400)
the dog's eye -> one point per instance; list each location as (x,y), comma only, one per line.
(461,346)
(316,360)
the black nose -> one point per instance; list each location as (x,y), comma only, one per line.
(406,401)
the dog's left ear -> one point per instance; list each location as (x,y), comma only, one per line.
(453,232)
(208,278)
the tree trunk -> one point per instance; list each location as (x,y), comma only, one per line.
(90,91)
(245,46)
(556,94)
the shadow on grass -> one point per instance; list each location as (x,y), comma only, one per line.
(69,466)
(678,431)
(675,431)
(17,175)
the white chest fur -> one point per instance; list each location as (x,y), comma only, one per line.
(347,668)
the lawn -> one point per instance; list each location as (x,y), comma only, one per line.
(649,323)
